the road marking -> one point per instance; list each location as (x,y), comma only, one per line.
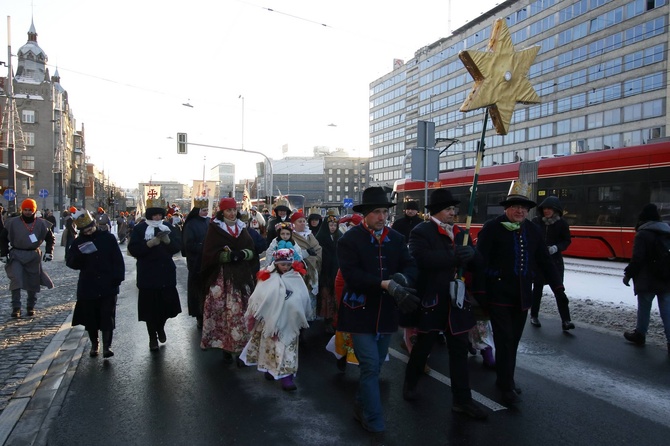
(445,380)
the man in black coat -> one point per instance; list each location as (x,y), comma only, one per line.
(282,214)
(556,234)
(513,249)
(404,225)
(437,247)
(193,236)
(376,265)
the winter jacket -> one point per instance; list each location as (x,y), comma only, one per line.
(555,232)
(405,225)
(100,272)
(644,252)
(155,267)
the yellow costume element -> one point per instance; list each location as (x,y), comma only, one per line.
(500,76)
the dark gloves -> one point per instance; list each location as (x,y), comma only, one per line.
(311,251)
(626,280)
(406,301)
(236,256)
(464,254)
(402,280)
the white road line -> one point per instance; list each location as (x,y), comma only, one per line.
(445,380)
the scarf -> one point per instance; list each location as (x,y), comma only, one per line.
(510,226)
(304,233)
(551,220)
(446,227)
(151,226)
(232,227)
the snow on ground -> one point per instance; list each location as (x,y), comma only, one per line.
(599,298)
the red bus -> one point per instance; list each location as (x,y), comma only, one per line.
(602,193)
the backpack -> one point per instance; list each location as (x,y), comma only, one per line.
(660,266)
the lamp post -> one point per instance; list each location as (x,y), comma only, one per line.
(242,97)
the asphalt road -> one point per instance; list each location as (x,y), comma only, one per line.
(588,387)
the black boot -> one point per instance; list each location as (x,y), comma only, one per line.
(153,337)
(107,344)
(93,336)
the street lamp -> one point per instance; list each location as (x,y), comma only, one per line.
(242,97)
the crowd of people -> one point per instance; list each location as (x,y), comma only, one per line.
(255,282)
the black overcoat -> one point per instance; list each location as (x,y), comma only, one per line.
(556,233)
(511,259)
(364,263)
(101,272)
(155,267)
(433,251)
(644,252)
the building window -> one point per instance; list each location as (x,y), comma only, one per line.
(330,198)
(28,116)
(346,171)
(28,162)
(330,179)
(29,138)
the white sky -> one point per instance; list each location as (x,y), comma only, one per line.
(129,65)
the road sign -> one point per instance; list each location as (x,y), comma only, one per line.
(348,202)
(9,194)
(43,193)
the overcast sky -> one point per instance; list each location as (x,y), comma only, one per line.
(300,65)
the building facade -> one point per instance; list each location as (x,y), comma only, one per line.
(224,175)
(601,74)
(345,177)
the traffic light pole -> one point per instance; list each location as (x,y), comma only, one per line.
(182,142)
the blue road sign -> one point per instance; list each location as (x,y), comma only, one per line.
(43,193)
(9,194)
(348,202)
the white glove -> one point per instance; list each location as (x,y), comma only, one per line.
(153,242)
(4,259)
(553,249)
(48,257)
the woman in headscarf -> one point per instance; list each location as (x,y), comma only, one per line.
(193,236)
(153,242)
(327,238)
(229,262)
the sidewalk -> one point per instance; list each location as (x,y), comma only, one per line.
(38,355)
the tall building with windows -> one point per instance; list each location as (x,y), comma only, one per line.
(601,74)
(224,174)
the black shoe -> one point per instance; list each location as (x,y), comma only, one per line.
(16,313)
(239,363)
(268,376)
(535,322)
(409,393)
(441,339)
(471,409)
(635,337)
(107,353)
(153,344)
(94,350)
(510,397)
(567,325)
(358,416)
(342,364)
(161,335)
(199,323)
(515,388)
(31,311)
(227,358)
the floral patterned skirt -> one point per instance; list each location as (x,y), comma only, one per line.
(271,355)
(223,317)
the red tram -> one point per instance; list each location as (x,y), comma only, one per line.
(602,193)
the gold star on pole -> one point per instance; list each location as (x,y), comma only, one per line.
(500,75)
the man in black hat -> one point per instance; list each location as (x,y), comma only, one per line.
(404,225)
(437,247)
(512,248)
(376,267)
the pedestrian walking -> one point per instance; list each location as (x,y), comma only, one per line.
(193,233)
(102,218)
(650,270)
(437,247)
(69,229)
(23,262)
(310,250)
(327,237)
(405,224)
(153,243)
(512,248)
(373,259)
(276,313)
(97,257)
(228,268)
(556,233)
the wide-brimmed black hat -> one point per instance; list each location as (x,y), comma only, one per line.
(519,193)
(373,198)
(440,199)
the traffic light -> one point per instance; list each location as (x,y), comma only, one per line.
(182,143)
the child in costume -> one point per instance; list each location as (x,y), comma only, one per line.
(277,311)
(283,240)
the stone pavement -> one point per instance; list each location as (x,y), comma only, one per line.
(38,355)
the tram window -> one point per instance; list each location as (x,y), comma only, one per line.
(608,201)
(660,195)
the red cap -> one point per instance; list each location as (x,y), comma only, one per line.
(296,215)
(227,203)
(72,209)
